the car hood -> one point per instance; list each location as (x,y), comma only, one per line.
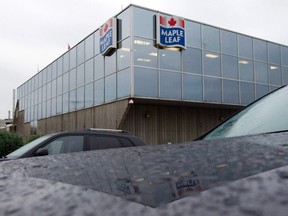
(195,177)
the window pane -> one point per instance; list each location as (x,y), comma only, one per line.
(143,23)
(99,92)
(59,105)
(89,47)
(54,86)
(96,42)
(101,142)
(212,89)
(230,67)
(192,87)
(66,144)
(275,75)
(123,83)
(65,82)
(99,67)
(60,66)
(285,75)
(110,64)
(230,91)
(80,75)
(123,54)
(80,98)
(72,100)
(89,95)
(211,63)
(261,90)
(73,58)
(110,88)
(89,71)
(229,42)
(66,62)
(192,60)
(48,108)
(124,24)
(72,78)
(169,60)
(49,90)
(54,70)
(247,93)
(274,53)
(59,85)
(260,50)
(261,73)
(170,85)
(193,34)
(211,40)
(145,82)
(65,102)
(49,75)
(246,69)
(245,46)
(145,54)
(285,55)
(80,53)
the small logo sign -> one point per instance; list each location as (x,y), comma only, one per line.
(108,36)
(170,31)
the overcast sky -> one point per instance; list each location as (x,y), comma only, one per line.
(33,33)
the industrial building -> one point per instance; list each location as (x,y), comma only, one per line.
(164,78)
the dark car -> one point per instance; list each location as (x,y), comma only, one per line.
(239,168)
(75,141)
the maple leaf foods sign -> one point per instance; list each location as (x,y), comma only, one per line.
(170,31)
(108,33)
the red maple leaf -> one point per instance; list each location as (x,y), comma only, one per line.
(172,22)
(105,28)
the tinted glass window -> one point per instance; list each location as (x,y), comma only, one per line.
(123,83)
(99,91)
(211,63)
(230,91)
(99,67)
(247,93)
(73,58)
(246,69)
(285,55)
(192,87)
(145,82)
(89,71)
(72,79)
(275,75)
(125,142)
(89,95)
(89,47)
(66,145)
(245,46)
(260,50)
(59,66)
(192,60)
(123,54)
(274,53)
(80,75)
(212,89)
(124,24)
(170,85)
(72,100)
(143,23)
(80,98)
(110,87)
(211,39)
(261,90)
(285,75)
(169,60)
(65,82)
(145,54)
(230,67)
(110,64)
(261,73)
(103,142)
(193,34)
(80,53)
(229,42)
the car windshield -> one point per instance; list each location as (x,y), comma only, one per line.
(269,114)
(20,151)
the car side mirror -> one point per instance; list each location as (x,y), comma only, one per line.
(41,152)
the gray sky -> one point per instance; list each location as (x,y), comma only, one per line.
(33,33)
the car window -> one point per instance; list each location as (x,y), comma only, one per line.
(269,114)
(103,142)
(66,144)
(126,142)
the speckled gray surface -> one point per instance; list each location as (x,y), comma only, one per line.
(156,180)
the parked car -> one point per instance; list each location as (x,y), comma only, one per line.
(228,171)
(75,141)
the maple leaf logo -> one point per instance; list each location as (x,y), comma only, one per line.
(172,22)
(105,28)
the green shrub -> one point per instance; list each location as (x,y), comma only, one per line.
(9,142)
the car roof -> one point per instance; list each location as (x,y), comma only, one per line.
(152,175)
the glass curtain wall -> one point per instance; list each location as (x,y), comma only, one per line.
(217,66)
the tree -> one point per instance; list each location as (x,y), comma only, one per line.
(9,142)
